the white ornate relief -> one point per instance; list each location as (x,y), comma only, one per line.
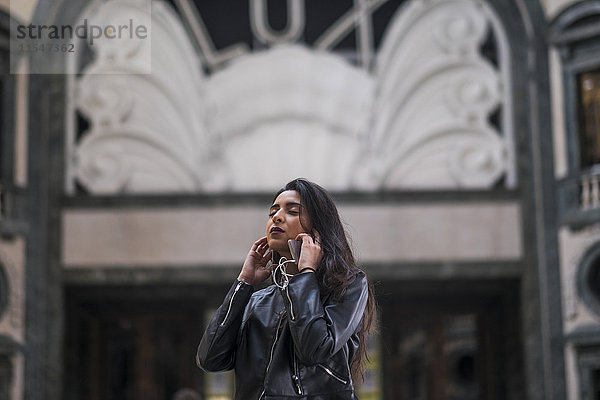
(434,94)
(291,110)
(419,119)
(146,130)
(12,258)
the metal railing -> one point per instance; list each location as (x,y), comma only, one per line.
(589,185)
(578,198)
(590,192)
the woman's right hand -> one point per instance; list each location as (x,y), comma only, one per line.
(254,270)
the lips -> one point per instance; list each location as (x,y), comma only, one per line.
(276,229)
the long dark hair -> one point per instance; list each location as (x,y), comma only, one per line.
(338,267)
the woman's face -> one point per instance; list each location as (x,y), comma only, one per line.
(284,221)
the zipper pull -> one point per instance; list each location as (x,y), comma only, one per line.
(287,292)
(237,288)
(297,382)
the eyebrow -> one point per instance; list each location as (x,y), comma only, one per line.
(288,204)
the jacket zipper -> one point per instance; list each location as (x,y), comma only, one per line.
(332,374)
(296,376)
(271,355)
(287,292)
(237,288)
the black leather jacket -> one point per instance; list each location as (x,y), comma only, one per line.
(288,343)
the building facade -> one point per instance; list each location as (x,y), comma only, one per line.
(460,139)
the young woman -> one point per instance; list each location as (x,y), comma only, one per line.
(305,335)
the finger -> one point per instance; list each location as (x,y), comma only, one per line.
(263,248)
(259,242)
(265,260)
(267,255)
(309,239)
(305,237)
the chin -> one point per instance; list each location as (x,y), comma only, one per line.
(279,245)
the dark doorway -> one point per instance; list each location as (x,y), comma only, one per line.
(451,341)
(133,343)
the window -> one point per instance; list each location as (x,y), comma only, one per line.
(5,378)
(576,37)
(596,384)
(588,84)
(588,360)
(593,279)
(589,278)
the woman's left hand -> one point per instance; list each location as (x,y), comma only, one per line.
(311,252)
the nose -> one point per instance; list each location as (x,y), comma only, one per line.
(277,216)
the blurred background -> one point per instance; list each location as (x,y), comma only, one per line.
(460,139)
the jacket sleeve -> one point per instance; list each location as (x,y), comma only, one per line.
(321,330)
(216,351)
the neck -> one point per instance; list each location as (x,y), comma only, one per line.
(291,268)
